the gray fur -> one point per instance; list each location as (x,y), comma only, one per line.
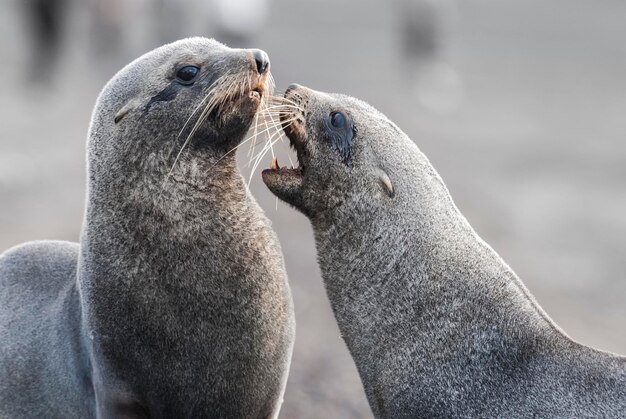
(176,302)
(437,323)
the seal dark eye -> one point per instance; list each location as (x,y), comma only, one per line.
(339,131)
(187,74)
(338,120)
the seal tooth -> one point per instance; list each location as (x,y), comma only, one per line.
(274,164)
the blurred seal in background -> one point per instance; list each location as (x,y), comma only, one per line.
(45,19)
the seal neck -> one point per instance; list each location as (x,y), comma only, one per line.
(415,290)
(139,247)
(137,216)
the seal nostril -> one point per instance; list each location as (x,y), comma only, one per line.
(262,61)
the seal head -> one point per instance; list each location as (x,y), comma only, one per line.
(184,104)
(335,163)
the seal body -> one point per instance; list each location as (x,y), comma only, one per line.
(437,323)
(176,302)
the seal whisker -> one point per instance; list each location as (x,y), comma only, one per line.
(288,103)
(288,122)
(268,146)
(215,97)
(197,108)
(253,137)
(202,102)
(279,99)
(265,147)
(245,84)
(257,122)
(282,107)
(269,128)
(219,102)
(145,253)
(282,114)
(230,86)
(257,133)
(262,111)
(230,151)
(273,139)
(256,130)
(264,131)
(276,125)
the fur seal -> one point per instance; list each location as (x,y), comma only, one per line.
(175,303)
(437,323)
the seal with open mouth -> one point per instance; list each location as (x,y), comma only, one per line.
(437,323)
(175,303)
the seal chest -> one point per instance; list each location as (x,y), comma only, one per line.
(437,323)
(175,303)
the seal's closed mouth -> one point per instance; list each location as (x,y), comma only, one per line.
(258,89)
(241,97)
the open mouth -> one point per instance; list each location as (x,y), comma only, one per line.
(274,166)
(293,125)
(287,183)
(294,133)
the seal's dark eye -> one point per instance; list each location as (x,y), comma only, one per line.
(187,74)
(337,120)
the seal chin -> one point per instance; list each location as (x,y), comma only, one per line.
(285,183)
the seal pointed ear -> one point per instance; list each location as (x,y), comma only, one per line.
(122,112)
(385,182)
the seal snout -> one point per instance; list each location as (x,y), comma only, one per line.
(291,88)
(262,61)
(260,69)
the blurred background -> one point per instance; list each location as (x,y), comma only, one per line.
(519,104)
